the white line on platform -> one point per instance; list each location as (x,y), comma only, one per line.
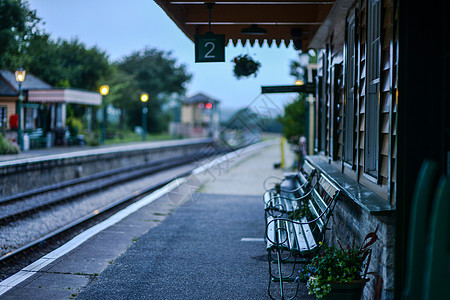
(252,240)
(33,268)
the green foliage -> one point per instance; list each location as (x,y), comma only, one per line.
(337,265)
(155,72)
(75,126)
(64,63)
(17,25)
(301,212)
(7,147)
(92,140)
(69,63)
(293,120)
(245,66)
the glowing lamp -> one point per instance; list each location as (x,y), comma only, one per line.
(20,74)
(144,97)
(104,90)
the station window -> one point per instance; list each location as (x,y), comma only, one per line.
(59,115)
(3,117)
(373,87)
(350,81)
(323,103)
(31,115)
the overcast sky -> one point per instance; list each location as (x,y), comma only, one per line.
(120,27)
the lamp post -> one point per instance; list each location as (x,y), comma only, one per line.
(144,99)
(104,90)
(20,77)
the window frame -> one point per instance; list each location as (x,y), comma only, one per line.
(372,105)
(3,117)
(350,90)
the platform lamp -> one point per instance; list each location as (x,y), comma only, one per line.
(104,90)
(20,77)
(144,99)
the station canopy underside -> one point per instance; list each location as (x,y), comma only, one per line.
(284,21)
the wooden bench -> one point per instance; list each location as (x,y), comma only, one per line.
(285,195)
(37,139)
(290,240)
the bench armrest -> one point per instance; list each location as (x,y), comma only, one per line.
(301,198)
(280,180)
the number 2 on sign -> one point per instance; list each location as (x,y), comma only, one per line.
(208,54)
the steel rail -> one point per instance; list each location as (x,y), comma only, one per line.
(128,173)
(94,214)
(76,181)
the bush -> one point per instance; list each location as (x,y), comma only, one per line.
(91,139)
(75,126)
(7,147)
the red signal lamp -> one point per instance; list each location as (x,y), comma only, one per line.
(208,105)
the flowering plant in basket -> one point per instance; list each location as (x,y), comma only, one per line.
(245,66)
(338,265)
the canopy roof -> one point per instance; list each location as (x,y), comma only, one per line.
(284,20)
(64,95)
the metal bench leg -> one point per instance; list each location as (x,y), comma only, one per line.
(280,277)
(283,261)
(280,274)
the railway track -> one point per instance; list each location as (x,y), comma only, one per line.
(23,213)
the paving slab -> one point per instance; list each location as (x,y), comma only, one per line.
(47,286)
(196,253)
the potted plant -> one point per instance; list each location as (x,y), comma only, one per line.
(339,273)
(245,66)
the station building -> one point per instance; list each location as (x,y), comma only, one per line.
(381,104)
(199,117)
(43,107)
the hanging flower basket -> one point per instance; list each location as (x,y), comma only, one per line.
(245,66)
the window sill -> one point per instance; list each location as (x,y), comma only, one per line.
(365,198)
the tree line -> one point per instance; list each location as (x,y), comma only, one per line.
(70,63)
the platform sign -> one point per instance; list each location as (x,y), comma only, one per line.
(308,88)
(210,48)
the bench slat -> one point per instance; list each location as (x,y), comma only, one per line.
(319,202)
(293,237)
(316,214)
(302,179)
(270,232)
(305,238)
(282,235)
(308,168)
(328,186)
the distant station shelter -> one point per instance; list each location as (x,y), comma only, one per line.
(199,117)
(44,107)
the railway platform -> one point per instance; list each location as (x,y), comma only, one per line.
(73,150)
(201,237)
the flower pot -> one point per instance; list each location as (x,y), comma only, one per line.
(346,290)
